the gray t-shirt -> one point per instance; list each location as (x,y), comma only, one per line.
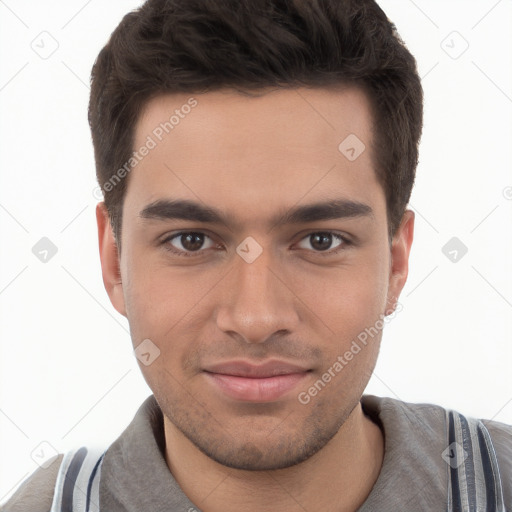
(413,477)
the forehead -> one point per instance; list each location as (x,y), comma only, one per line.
(309,118)
(249,153)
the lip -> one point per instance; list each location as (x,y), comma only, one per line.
(242,380)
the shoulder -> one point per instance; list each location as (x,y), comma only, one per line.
(425,426)
(35,494)
(431,416)
(414,418)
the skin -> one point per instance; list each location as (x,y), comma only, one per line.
(253,158)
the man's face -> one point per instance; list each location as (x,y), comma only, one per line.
(249,311)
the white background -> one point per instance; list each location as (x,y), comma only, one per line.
(68,375)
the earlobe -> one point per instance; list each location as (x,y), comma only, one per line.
(399,264)
(110,260)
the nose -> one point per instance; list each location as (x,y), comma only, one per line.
(257,301)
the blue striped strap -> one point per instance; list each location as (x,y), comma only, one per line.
(77,485)
(474,482)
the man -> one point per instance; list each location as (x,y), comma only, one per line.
(256,159)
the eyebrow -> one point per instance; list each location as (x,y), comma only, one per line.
(169,209)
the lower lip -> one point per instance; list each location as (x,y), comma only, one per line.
(266,389)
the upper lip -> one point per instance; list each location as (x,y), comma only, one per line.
(255,371)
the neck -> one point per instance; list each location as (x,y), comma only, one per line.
(337,478)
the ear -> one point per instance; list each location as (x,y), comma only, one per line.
(399,264)
(110,260)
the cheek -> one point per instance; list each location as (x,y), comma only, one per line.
(162,302)
(344,301)
(159,308)
(354,313)
(153,305)
(149,297)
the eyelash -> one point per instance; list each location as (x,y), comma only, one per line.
(344,245)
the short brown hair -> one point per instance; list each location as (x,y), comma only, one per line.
(195,46)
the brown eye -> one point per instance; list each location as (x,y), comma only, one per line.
(322,241)
(189,242)
(192,241)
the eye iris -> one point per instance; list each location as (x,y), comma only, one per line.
(321,241)
(192,241)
